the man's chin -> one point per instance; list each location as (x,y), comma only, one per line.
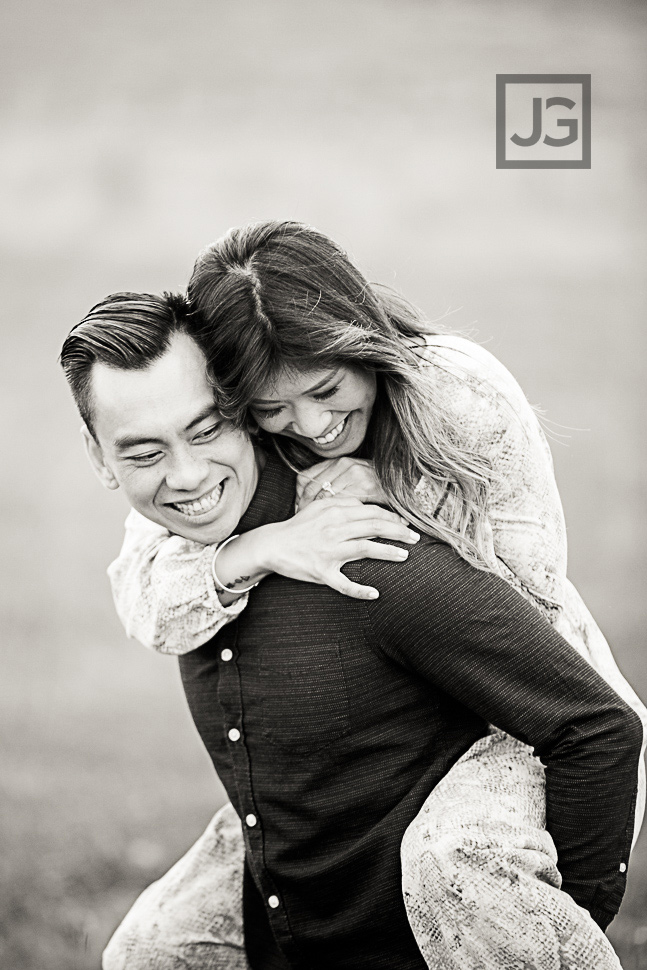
(205,536)
(207,533)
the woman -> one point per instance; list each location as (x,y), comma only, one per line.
(322,365)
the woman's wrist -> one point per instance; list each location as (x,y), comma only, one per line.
(243,562)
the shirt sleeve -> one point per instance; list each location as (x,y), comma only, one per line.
(163,589)
(468,632)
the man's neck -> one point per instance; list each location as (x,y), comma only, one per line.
(273,500)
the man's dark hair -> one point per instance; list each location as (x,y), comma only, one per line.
(127,331)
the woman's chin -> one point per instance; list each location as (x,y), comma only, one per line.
(349,440)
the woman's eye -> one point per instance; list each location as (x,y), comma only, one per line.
(326,394)
(271,413)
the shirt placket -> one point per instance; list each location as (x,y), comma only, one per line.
(230,696)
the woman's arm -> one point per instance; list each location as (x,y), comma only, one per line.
(164,589)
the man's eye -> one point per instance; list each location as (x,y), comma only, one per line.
(208,433)
(326,394)
(148,459)
(271,413)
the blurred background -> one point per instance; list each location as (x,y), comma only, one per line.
(135,132)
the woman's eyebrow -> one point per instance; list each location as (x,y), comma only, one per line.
(309,390)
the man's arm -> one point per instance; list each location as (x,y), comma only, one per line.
(473,636)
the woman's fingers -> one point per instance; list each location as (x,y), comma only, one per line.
(343,585)
(367,549)
(317,473)
(350,476)
(313,490)
(380,529)
(372,521)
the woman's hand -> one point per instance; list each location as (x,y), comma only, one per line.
(314,544)
(352,477)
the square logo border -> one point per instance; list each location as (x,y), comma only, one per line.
(502,80)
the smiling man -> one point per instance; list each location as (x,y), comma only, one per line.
(154,431)
(331,719)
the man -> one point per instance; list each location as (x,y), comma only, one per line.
(329,719)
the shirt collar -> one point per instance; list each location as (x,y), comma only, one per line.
(274,498)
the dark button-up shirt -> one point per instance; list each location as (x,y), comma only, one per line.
(329,720)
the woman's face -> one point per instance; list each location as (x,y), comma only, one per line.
(326,410)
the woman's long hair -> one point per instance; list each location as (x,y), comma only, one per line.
(277,296)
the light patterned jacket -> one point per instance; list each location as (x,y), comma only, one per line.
(164,591)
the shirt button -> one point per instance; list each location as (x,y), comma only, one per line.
(233,734)
(226,654)
(273,901)
(251,820)
(623,867)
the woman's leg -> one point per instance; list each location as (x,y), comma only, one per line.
(192,916)
(479,872)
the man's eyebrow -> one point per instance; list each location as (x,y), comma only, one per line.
(134,441)
(309,390)
(208,412)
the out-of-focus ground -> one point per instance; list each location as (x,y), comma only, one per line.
(135,132)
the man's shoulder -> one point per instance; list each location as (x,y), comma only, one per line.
(431,565)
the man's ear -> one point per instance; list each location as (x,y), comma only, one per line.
(95,453)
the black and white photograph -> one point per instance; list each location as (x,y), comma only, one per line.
(323,575)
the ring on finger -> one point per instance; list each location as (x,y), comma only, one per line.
(327,487)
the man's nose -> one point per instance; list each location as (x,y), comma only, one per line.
(311,420)
(186,472)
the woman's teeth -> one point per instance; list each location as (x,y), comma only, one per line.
(336,431)
(201,505)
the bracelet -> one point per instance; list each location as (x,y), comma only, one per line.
(219,585)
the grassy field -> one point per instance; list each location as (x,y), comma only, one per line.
(133,133)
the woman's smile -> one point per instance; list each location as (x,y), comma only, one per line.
(327,410)
(330,436)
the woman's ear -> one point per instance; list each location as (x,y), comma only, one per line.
(95,454)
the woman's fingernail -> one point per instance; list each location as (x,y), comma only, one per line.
(413,536)
(372,594)
(402,554)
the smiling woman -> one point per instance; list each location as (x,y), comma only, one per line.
(327,411)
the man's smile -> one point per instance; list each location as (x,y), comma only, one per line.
(199,506)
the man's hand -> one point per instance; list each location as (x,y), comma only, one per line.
(352,477)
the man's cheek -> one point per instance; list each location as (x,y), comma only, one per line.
(139,485)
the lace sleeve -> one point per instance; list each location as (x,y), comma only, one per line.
(525,514)
(163,589)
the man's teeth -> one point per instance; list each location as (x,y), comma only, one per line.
(336,431)
(201,505)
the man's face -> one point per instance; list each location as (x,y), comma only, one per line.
(161,439)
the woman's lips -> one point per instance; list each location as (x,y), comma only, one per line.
(333,434)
